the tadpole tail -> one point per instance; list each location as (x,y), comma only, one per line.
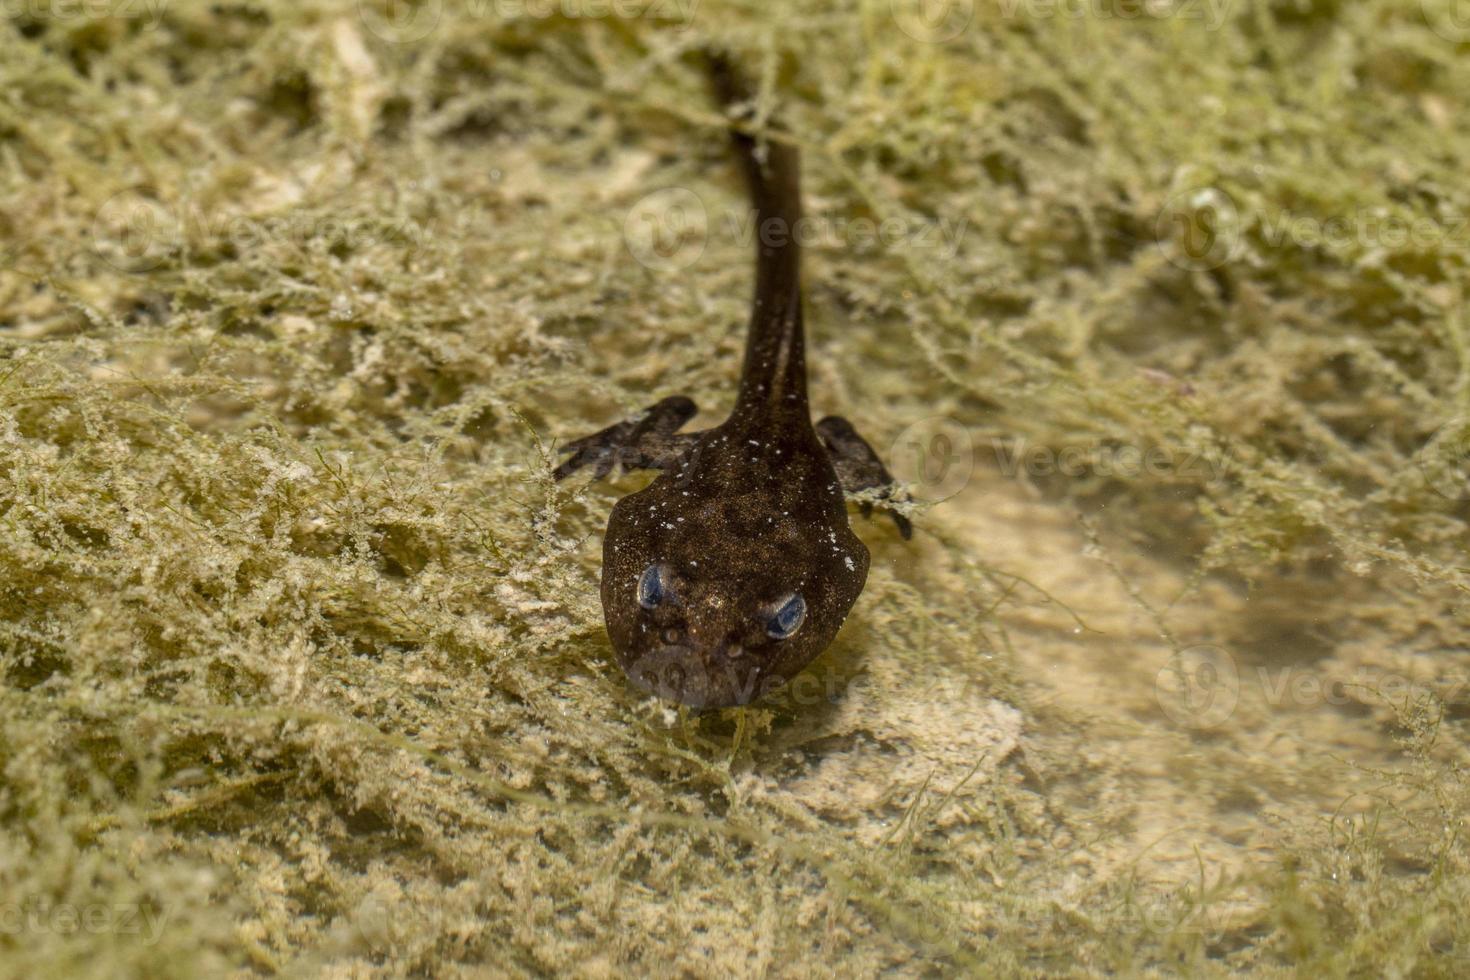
(772,171)
(775,360)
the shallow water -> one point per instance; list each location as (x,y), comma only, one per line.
(1159,313)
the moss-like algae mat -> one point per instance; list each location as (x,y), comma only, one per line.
(303,664)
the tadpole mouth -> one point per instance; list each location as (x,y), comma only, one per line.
(692,677)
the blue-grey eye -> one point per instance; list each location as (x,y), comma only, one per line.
(651,589)
(788,618)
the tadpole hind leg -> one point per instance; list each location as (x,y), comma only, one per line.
(859,468)
(649,440)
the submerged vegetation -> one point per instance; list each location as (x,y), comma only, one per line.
(301,661)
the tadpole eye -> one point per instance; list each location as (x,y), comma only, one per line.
(651,588)
(788,618)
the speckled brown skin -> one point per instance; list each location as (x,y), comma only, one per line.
(750,518)
(743,515)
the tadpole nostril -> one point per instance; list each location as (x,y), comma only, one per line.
(671,635)
(733,646)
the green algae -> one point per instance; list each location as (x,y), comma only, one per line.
(303,662)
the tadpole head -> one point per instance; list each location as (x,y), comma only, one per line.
(714,601)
